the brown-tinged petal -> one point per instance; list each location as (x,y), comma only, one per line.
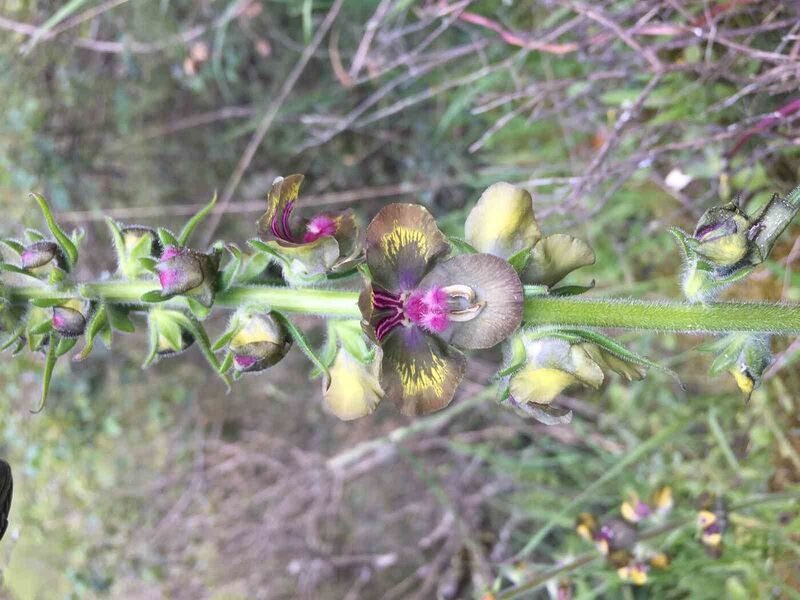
(502,222)
(308,260)
(498,299)
(402,243)
(555,257)
(275,222)
(419,372)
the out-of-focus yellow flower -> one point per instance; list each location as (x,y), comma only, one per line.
(502,222)
(635,573)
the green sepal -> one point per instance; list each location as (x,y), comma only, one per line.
(520,260)
(572,290)
(231,270)
(155,296)
(302,342)
(461,246)
(4,266)
(264,248)
(226,363)
(201,339)
(253,267)
(13,245)
(192,223)
(516,357)
(65,345)
(166,237)
(33,235)
(47,302)
(118,319)
(226,336)
(199,310)
(67,245)
(47,371)
(148,263)
(152,344)
(56,276)
(14,336)
(97,322)
(41,328)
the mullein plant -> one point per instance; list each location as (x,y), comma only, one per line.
(404,304)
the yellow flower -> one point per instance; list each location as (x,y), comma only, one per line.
(502,222)
(354,389)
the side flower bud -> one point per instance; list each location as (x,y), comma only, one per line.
(41,254)
(188,272)
(354,366)
(69,320)
(722,235)
(260,341)
(745,356)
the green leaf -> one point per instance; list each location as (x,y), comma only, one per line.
(192,223)
(302,342)
(70,250)
(47,302)
(47,372)
(34,235)
(152,342)
(119,244)
(41,328)
(166,237)
(226,337)
(13,337)
(148,263)
(95,325)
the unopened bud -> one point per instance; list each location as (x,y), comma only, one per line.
(186,271)
(133,234)
(260,342)
(69,320)
(722,235)
(42,253)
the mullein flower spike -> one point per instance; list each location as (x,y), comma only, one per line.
(309,248)
(188,272)
(260,341)
(420,308)
(503,223)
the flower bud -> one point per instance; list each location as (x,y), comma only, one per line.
(42,253)
(132,236)
(502,222)
(722,235)
(745,356)
(166,347)
(186,271)
(354,389)
(260,342)
(69,320)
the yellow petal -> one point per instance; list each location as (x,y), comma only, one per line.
(743,379)
(502,222)
(354,390)
(540,385)
(555,257)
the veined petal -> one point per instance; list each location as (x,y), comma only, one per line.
(420,372)
(275,222)
(402,243)
(555,257)
(502,222)
(498,291)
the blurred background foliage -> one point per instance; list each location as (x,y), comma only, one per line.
(622,117)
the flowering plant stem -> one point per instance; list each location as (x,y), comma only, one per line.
(539,309)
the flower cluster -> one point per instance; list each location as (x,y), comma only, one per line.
(619,539)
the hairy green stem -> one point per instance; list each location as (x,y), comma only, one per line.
(539,309)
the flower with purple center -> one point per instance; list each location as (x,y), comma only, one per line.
(422,309)
(325,243)
(188,272)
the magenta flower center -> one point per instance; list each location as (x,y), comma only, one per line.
(170,252)
(59,322)
(319,226)
(427,309)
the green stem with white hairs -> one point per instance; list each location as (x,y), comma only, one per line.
(539,309)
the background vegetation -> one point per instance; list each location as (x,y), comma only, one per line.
(622,117)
